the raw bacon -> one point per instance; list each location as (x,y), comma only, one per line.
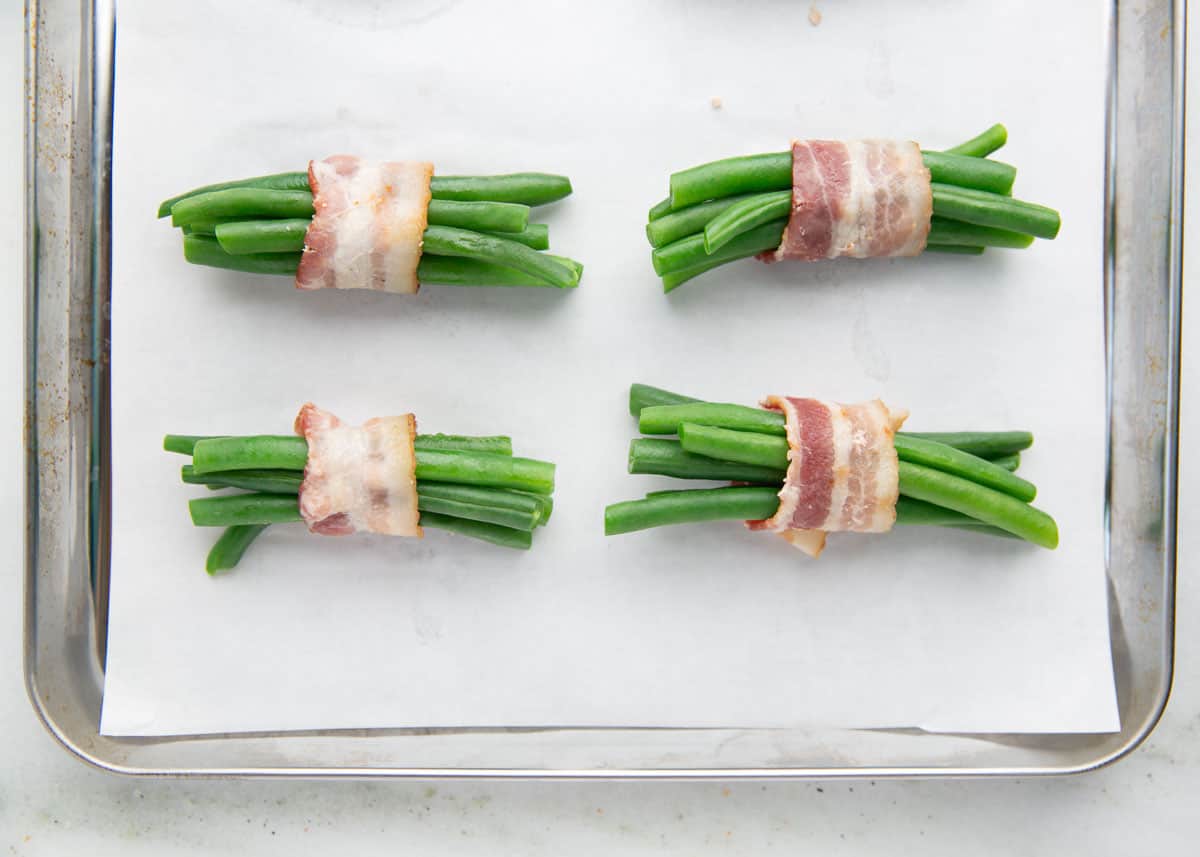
(367,227)
(856,198)
(358,478)
(843,473)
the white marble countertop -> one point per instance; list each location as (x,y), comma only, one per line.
(52,804)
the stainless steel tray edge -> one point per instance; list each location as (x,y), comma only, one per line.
(69,54)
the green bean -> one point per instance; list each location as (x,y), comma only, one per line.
(985,444)
(522,188)
(660,209)
(983,145)
(185,443)
(464,443)
(685,507)
(689,252)
(182,443)
(749,213)
(535,235)
(939,456)
(676,279)
(243,509)
(745,174)
(231,546)
(263,481)
(666,419)
(643,396)
(743,447)
(276,181)
(207,227)
(479,216)
(451,271)
(917,513)
(204,250)
(498,498)
(954,249)
(241,237)
(672,226)
(957,233)
(448,241)
(773,172)
(513,518)
(1008,462)
(487,469)
(254,452)
(965,171)
(661,457)
(979,502)
(991,209)
(497,535)
(249,203)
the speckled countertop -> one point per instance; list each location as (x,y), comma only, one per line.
(52,804)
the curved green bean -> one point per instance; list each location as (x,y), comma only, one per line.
(982,145)
(242,237)
(918,513)
(956,233)
(497,535)
(499,498)
(513,518)
(939,456)
(979,502)
(740,218)
(448,241)
(690,506)
(480,216)
(248,203)
(992,209)
(662,457)
(522,188)
(689,252)
(262,481)
(231,547)
(275,181)
(673,225)
(451,271)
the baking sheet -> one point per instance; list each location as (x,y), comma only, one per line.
(697,626)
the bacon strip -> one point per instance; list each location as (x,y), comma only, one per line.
(856,198)
(358,478)
(843,473)
(368,223)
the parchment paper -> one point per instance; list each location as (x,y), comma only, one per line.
(690,626)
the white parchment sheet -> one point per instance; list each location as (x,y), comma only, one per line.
(688,626)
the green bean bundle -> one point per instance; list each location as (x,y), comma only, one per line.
(395,230)
(956,201)
(964,480)
(472,486)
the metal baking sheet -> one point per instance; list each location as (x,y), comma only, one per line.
(1141,477)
